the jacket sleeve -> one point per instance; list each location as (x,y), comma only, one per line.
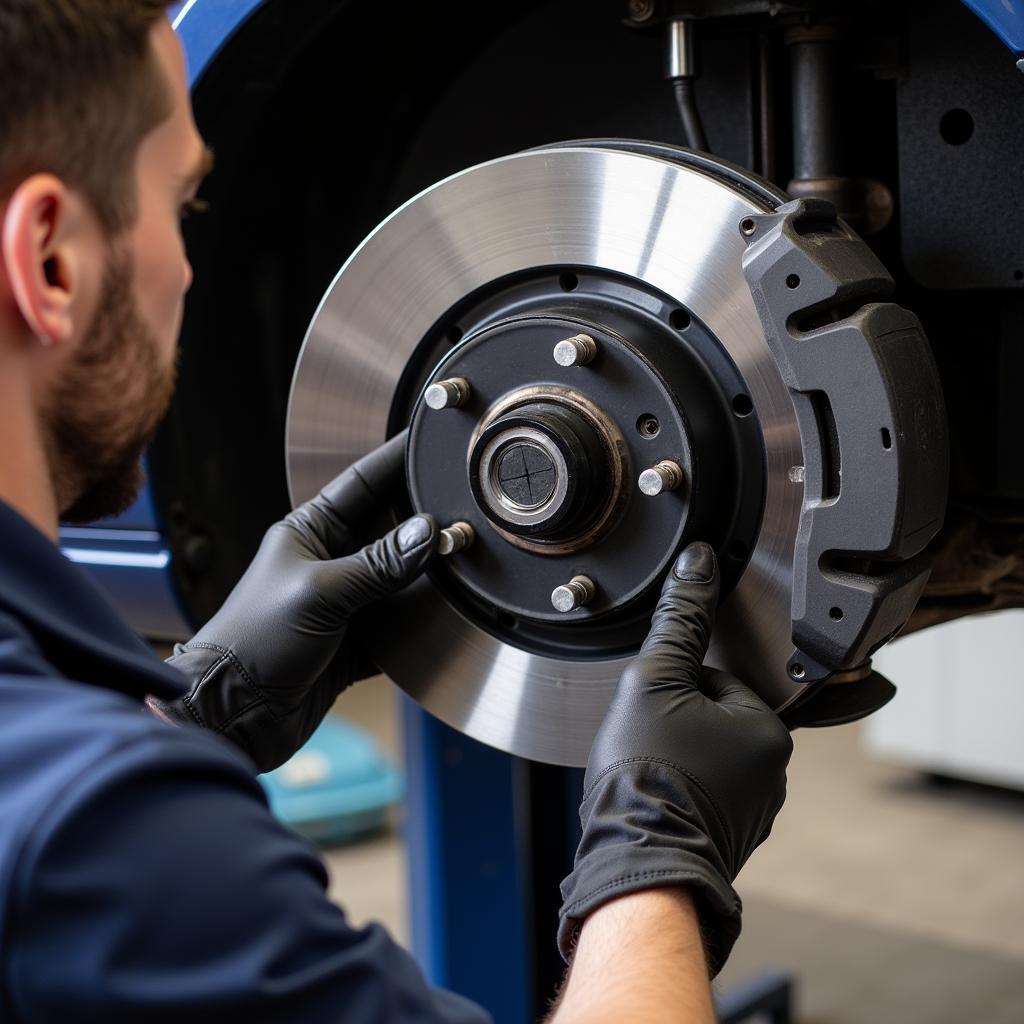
(159,887)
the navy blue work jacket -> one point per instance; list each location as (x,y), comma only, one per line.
(142,877)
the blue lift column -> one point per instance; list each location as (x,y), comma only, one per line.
(490,838)
(468,866)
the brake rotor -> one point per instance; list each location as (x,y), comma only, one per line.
(551,325)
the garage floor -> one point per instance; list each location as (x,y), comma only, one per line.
(891,899)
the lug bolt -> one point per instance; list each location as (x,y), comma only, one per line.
(447,394)
(456,537)
(665,476)
(574,594)
(578,350)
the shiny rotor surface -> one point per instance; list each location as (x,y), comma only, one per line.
(670,226)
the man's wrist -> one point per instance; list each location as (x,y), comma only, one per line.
(675,907)
(639,956)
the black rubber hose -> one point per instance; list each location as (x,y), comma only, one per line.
(693,127)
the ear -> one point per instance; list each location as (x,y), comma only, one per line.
(39,261)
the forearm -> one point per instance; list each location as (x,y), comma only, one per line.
(639,957)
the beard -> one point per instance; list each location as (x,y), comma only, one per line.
(105,408)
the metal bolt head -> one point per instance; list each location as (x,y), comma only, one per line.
(447,394)
(641,10)
(456,537)
(578,350)
(574,594)
(665,476)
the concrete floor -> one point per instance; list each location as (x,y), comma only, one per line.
(889,898)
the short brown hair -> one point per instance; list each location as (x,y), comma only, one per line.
(80,89)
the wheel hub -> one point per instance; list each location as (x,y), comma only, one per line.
(544,453)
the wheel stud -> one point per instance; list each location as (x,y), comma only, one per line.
(454,538)
(447,394)
(665,476)
(574,594)
(578,350)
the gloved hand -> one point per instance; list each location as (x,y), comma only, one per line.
(267,667)
(686,774)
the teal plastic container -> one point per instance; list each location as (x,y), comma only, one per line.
(337,788)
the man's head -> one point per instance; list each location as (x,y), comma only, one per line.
(99,156)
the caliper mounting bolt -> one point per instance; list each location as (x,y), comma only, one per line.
(665,476)
(578,350)
(447,394)
(456,537)
(574,594)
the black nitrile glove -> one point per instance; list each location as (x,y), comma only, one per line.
(686,774)
(268,666)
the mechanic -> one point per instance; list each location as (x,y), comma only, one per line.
(143,877)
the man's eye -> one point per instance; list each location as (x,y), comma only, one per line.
(193,206)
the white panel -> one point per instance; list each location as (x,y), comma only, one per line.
(960,702)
